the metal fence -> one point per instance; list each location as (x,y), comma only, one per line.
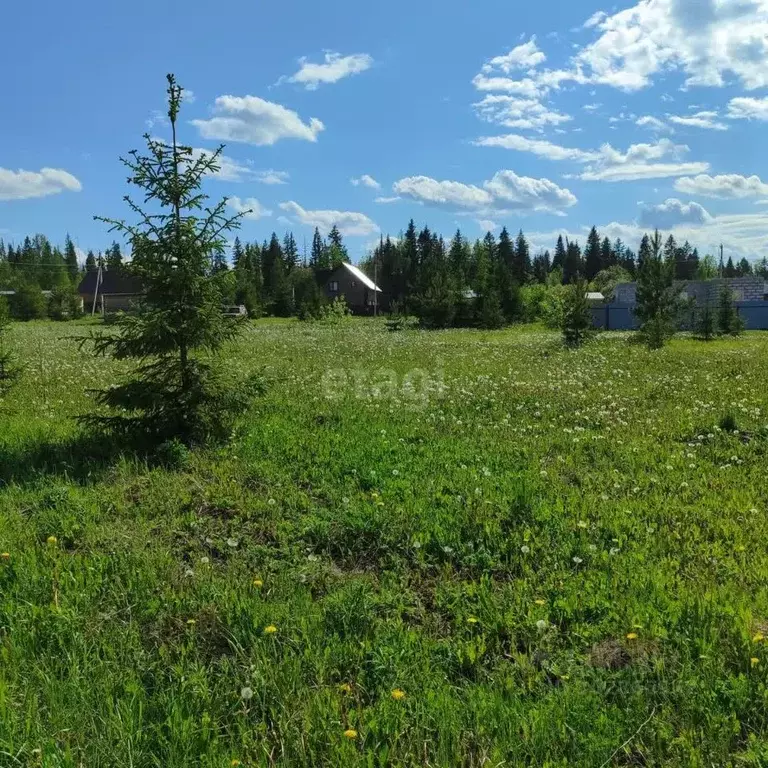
(621,317)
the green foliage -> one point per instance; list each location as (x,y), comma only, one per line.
(728,320)
(8,367)
(309,296)
(177,389)
(576,324)
(335,312)
(706,326)
(64,303)
(532,300)
(657,297)
(607,279)
(436,307)
(28,303)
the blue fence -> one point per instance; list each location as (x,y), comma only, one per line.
(621,317)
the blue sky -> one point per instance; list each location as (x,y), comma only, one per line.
(547,116)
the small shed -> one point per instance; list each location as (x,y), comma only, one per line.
(112,290)
(360,292)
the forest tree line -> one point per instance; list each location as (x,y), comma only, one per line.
(489,282)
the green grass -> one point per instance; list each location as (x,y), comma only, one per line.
(485,541)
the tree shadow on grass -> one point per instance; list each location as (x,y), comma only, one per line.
(83,458)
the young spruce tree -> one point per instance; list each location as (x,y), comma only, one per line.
(177,390)
(728,318)
(577,325)
(657,300)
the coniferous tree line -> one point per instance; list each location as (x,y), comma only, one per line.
(487,282)
(35,266)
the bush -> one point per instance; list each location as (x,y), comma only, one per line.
(553,306)
(336,312)
(64,304)
(28,303)
(532,302)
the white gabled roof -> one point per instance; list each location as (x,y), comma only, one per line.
(362,277)
(594,296)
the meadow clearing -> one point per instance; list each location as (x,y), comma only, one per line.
(448,548)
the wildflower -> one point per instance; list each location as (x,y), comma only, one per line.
(52,540)
(235,762)
(246,693)
(540,602)
(632,636)
(345,688)
(613,551)
(582,524)
(6,556)
(541,625)
(258,583)
(754,661)
(271,502)
(233,543)
(398,695)
(472,620)
(191,622)
(758,638)
(205,560)
(577,560)
(350,733)
(525,549)
(270,630)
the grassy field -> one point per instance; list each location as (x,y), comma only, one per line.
(450,548)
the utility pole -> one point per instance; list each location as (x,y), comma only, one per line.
(96,293)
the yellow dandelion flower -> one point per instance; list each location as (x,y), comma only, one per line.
(350,733)
(345,688)
(52,540)
(398,695)
(758,638)
(191,622)
(473,620)
(754,661)
(540,602)
(6,555)
(632,636)
(235,762)
(258,583)
(270,630)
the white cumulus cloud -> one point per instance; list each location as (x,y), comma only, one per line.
(654,124)
(745,108)
(335,67)
(253,120)
(366,181)
(672,213)
(524,56)
(348,222)
(517,112)
(608,163)
(20,185)
(506,191)
(730,186)
(250,207)
(708,120)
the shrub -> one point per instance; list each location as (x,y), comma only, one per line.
(336,312)
(28,303)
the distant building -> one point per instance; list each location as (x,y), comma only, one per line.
(359,291)
(704,291)
(112,290)
(750,296)
(594,297)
